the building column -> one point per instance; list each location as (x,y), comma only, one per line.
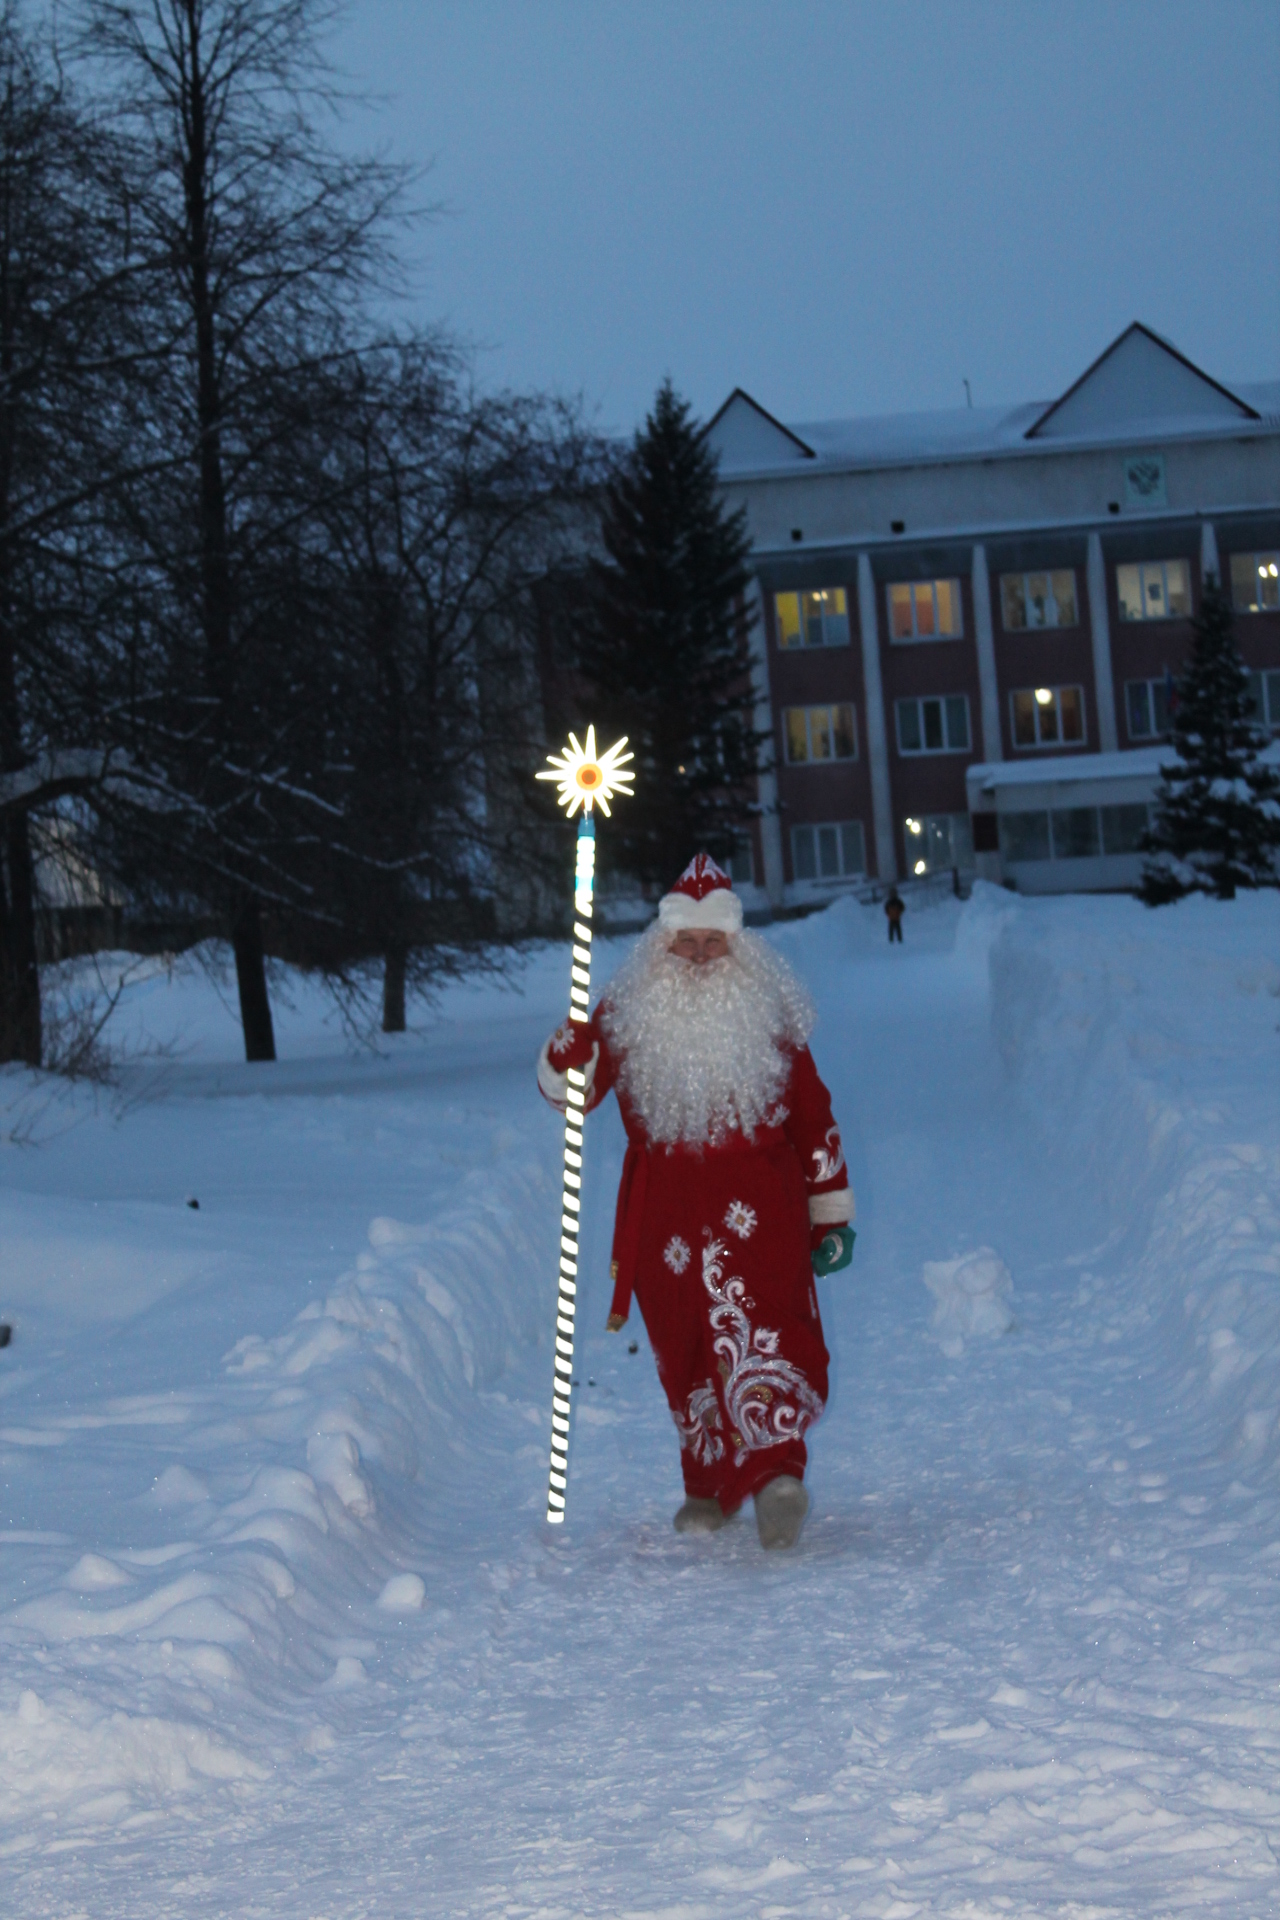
(1100,626)
(767,779)
(985,640)
(877,743)
(1209,551)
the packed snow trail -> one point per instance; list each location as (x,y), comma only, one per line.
(285,1634)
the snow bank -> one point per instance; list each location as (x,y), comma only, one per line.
(291,1494)
(1146,1047)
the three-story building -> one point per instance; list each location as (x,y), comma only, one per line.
(967,625)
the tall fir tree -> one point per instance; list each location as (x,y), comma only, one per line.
(1217,814)
(663,649)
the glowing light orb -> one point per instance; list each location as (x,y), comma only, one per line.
(587,778)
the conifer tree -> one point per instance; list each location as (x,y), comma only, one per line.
(663,648)
(1217,815)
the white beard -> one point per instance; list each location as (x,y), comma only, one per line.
(702,1047)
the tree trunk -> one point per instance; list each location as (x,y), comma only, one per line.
(393,989)
(251,978)
(21,1037)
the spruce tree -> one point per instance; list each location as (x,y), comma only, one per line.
(663,649)
(1217,816)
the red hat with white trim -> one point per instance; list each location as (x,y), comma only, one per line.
(702,898)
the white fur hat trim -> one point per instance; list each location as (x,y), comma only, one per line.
(720,911)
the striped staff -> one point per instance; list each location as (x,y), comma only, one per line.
(586,779)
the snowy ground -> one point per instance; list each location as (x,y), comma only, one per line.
(284,1634)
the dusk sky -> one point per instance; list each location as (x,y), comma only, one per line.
(845,208)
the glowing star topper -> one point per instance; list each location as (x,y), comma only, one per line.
(586,777)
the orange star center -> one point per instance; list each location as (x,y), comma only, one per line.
(589,776)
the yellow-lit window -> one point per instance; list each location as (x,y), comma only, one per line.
(817,618)
(925,610)
(1033,600)
(1154,590)
(817,734)
(1048,716)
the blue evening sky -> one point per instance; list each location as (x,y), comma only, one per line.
(845,208)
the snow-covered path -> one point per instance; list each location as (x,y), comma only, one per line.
(1023,1661)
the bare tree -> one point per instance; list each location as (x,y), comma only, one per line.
(64,347)
(444,509)
(254,242)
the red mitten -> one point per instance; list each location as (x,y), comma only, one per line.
(570,1046)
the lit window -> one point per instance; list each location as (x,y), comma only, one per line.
(937,842)
(1032,600)
(816,619)
(1264,691)
(1147,705)
(1048,716)
(1155,590)
(834,852)
(925,610)
(933,725)
(816,734)
(1255,582)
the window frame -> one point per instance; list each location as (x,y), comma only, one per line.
(1152,683)
(1100,813)
(803,644)
(1050,626)
(1255,569)
(812,760)
(1265,681)
(839,828)
(1143,566)
(914,638)
(941,700)
(1038,706)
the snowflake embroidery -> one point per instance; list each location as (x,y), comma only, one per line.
(765,1340)
(741,1219)
(561,1041)
(676,1253)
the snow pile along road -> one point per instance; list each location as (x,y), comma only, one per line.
(253,1522)
(1147,1047)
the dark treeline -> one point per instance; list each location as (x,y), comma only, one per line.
(268,576)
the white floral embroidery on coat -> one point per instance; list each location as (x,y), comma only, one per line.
(676,1253)
(699,1427)
(741,1219)
(828,1160)
(767,1398)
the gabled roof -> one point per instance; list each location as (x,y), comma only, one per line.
(1138,381)
(743,434)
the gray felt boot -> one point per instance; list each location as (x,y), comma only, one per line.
(699,1516)
(781,1506)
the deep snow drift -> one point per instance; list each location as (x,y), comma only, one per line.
(284,1632)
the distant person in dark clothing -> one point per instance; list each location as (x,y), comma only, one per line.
(894,910)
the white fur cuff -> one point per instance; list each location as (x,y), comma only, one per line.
(831,1209)
(720,912)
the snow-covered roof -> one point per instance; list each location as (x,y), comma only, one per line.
(1063,769)
(1140,388)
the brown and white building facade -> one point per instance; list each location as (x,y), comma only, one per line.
(966,625)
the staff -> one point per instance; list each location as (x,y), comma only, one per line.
(585,779)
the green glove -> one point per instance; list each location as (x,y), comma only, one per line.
(835,1250)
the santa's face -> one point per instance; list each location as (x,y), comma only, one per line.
(700,944)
